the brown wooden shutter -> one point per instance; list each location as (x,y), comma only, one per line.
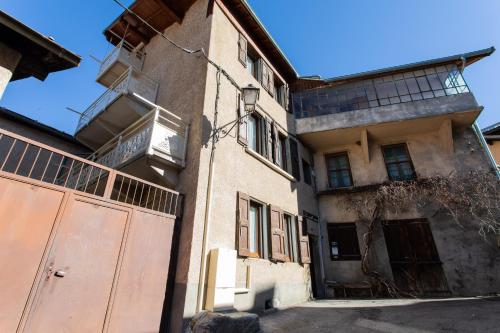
(286,97)
(242,50)
(270,83)
(260,72)
(269,139)
(303,238)
(243,224)
(276,143)
(242,126)
(277,233)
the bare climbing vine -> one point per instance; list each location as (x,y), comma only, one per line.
(473,197)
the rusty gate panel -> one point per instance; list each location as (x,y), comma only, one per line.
(74,293)
(22,243)
(83,248)
(143,275)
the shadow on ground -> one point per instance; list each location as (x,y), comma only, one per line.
(395,316)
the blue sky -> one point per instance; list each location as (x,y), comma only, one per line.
(325,37)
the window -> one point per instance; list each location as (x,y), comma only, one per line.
(291,248)
(344,244)
(255,133)
(398,162)
(294,156)
(255,227)
(339,170)
(252,64)
(306,170)
(279,92)
(281,157)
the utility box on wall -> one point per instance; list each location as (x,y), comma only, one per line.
(221,280)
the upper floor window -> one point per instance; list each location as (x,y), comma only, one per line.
(281,156)
(255,133)
(398,162)
(306,170)
(339,170)
(255,218)
(252,64)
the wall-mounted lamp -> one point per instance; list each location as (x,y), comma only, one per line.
(250,96)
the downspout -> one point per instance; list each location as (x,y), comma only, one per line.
(208,205)
(484,144)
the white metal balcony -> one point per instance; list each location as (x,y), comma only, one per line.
(118,62)
(127,100)
(159,138)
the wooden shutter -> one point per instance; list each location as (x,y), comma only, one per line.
(242,126)
(243,224)
(270,81)
(277,232)
(242,50)
(260,72)
(269,139)
(303,237)
(286,97)
(276,144)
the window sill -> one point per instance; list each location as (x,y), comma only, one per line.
(271,165)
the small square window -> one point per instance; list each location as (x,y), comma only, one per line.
(343,241)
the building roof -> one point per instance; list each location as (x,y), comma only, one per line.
(41,55)
(162,13)
(463,59)
(492,129)
(29,122)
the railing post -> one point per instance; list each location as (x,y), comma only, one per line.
(109,185)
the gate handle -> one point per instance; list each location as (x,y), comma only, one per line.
(60,274)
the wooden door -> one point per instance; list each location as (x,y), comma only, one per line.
(27,214)
(74,295)
(414,258)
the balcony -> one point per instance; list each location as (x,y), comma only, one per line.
(126,101)
(118,62)
(157,139)
(399,104)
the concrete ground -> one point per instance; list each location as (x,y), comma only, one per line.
(394,316)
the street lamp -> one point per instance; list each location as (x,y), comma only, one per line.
(250,97)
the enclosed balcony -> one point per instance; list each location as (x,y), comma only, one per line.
(118,62)
(127,100)
(158,140)
(397,104)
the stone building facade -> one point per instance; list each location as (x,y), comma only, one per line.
(269,184)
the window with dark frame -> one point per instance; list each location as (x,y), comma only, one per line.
(306,169)
(281,153)
(279,92)
(294,157)
(398,162)
(343,241)
(339,170)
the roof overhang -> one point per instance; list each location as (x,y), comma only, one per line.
(40,54)
(160,14)
(461,60)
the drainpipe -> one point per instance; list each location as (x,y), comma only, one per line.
(484,144)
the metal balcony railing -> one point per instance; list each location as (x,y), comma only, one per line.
(392,89)
(129,83)
(27,158)
(124,53)
(159,133)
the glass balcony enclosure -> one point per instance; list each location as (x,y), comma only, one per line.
(388,90)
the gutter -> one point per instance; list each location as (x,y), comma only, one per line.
(480,136)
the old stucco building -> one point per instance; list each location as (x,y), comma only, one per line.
(264,218)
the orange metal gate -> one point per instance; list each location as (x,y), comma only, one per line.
(83,248)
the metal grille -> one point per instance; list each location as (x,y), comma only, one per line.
(27,158)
